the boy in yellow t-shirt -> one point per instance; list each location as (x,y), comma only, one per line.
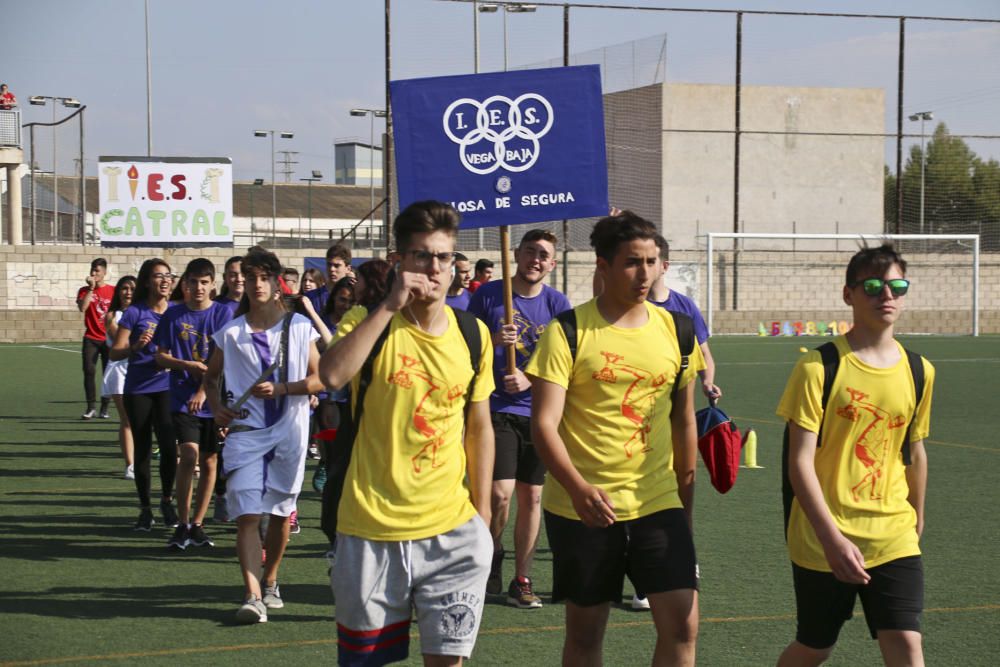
(412,528)
(858,510)
(619,448)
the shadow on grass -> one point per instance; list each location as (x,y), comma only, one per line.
(180,601)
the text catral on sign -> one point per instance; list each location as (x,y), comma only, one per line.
(503,148)
(160,201)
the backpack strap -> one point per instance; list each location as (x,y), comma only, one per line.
(567,319)
(831,362)
(917,371)
(286,325)
(684,326)
(365,378)
(468,325)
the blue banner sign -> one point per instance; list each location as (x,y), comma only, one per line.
(503,148)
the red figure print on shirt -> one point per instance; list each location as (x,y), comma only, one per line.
(639,402)
(872,445)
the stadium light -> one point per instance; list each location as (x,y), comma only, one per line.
(317,175)
(284,134)
(508,8)
(921,116)
(72,103)
(373,113)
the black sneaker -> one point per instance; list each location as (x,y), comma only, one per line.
(494,585)
(156,453)
(179,540)
(197,536)
(169,514)
(145,521)
(104,415)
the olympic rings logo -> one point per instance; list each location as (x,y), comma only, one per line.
(521,118)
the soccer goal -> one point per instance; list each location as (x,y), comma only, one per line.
(791,284)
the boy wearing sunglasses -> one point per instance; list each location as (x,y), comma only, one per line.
(858,470)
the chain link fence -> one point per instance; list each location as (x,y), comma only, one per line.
(747,121)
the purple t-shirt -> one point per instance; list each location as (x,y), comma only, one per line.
(318,297)
(187,335)
(531,315)
(144,376)
(459,301)
(679,303)
(230,304)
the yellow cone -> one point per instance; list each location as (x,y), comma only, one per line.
(750,449)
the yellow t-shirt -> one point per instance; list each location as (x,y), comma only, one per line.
(616,423)
(407,475)
(859,462)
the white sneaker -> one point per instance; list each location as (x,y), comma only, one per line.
(272,596)
(640,604)
(252,611)
(129,472)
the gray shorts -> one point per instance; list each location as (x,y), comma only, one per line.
(377,585)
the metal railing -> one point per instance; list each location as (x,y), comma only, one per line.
(10,128)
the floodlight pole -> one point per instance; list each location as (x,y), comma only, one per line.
(922,116)
(274,188)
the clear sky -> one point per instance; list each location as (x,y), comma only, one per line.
(222,68)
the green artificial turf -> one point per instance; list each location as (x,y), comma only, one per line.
(81,588)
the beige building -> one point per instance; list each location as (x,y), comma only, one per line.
(671,147)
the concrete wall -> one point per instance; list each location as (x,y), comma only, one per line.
(803,184)
(38,290)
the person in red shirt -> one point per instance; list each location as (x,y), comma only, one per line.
(7,99)
(93,301)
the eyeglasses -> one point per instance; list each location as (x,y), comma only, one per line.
(874,286)
(164,276)
(423,259)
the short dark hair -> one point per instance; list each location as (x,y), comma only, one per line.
(198,268)
(261,260)
(423,217)
(459,257)
(339,251)
(538,235)
(100,261)
(614,230)
(877,260)
(483,264)
(290,271)
(231,261)
(664,248)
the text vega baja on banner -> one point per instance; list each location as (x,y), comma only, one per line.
(503,148)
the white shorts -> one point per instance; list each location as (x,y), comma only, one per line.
(114,378)
(247,492)
(376,584)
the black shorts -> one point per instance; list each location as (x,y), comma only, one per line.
(589,564)
(516,457)
(892,600)
(200,430)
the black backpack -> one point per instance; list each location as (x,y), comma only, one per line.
(682,323)
(831,364)
(343,444)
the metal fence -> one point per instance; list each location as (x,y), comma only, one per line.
(755,121)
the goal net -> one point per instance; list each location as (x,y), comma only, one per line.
(792,284)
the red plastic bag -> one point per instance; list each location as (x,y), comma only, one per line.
(719,442)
